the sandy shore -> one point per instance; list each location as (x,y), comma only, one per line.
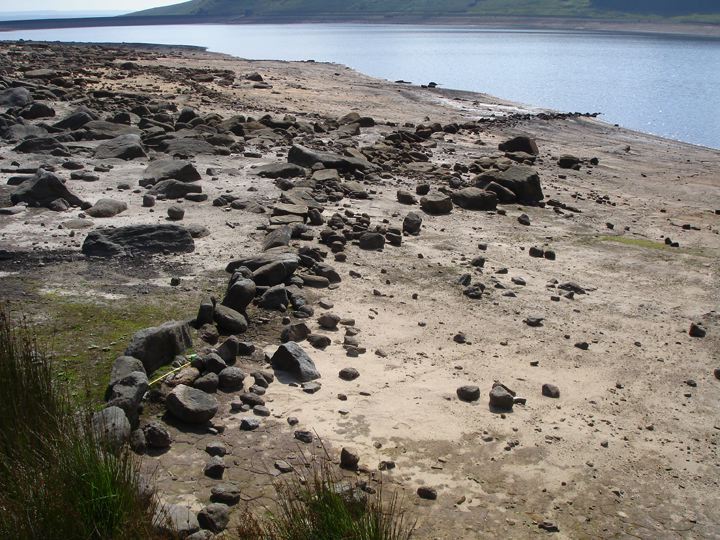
(630,446)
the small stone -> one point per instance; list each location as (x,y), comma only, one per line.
(468,393)
(216,448)
(349,374)
(550,390)
(215,468)
(303,435)
(283,466)
(697,330)
(249,424)
(427,493)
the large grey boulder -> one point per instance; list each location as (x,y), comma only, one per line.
(191,405)
(214,517)
(165,169)
(522,180)
(15,97)
(42,145)
(136,239)
(111,426)
(229,320)
(240,294)
(472,198)
(290,357)
(436,203)
(522,143)
(43,189)
(125,147)
(305,157)
(159,345)
(75,120)
(106,208)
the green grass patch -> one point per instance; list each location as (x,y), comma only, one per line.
(636,242)
(58,479)
(86,335)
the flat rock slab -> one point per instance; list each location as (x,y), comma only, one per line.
(135,239)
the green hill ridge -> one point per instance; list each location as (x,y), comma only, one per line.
(686,11)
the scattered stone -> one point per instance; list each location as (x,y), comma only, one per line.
(215,468)
(214,517)
(349,459)
(349,374)
(550,390)
(427,493)
(290,357)
(468,393)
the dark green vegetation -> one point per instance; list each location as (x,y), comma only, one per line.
(695,10)
(57,480)
(326,507)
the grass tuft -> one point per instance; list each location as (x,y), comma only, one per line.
(327,507)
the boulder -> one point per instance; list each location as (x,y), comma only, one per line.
(231,378)
(125,147)
(472,198)
(191,405)
(412,224)
(42,190)
(158,346)
(280,170)
(372,241)
(522,180)
(240,294)
(275,255)
(111,426)
(225,493)
(37,110)
(42,145)
(275,297)
(520,144)
(136,239)
(15,97)
(305,157)
(278,238)
(121,368)
(229,320)
(290,357)
(156,436)
(166,169)
(214,517)
(501,399)
(75,120)
(173,520)
(436,204)
(106,208)
(275,272)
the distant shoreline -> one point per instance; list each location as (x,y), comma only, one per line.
(692,30)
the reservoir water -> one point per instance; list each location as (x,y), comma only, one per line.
(668,86)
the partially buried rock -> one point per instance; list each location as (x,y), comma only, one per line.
(290,357)
(137,239)
(521,143)
(125,147)
(111,426)
(164,169)
(106,208)
(231,378)
(329,321)
(472,198)
(191,405)
(230,320)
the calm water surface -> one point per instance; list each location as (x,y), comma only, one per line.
(668,86)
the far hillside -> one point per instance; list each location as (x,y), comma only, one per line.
(685,11)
